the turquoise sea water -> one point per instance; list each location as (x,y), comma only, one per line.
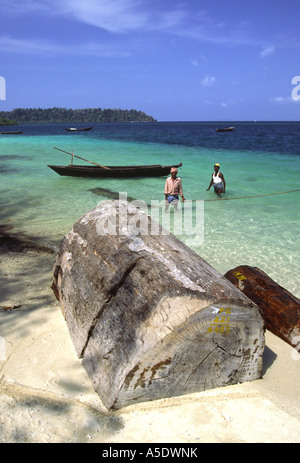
(256,159)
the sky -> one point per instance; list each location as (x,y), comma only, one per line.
(185,60)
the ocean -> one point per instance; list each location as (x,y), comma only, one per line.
(253,226)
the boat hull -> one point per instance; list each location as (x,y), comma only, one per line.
(229,129)
(11,133)
(112,171)
(72,129)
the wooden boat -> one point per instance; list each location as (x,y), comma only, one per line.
(74,129)
(229,129)
(113,171)
(11,133)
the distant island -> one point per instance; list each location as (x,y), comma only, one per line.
(4,121)
(63,115)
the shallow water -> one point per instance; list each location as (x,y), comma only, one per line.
(256,159)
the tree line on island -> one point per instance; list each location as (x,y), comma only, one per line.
(4,121)
(63,115)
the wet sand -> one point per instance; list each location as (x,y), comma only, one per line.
(46,395)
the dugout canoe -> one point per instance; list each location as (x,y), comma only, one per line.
(113,171)
(74,129)
(228,129)
(15,132)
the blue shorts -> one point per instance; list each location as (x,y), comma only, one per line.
(171,198)
(218,186)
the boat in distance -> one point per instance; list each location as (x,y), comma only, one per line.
(15,132)
(73,170)
(74,129)
(228,129)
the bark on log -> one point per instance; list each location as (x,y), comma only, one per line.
(281,310)
(148,316)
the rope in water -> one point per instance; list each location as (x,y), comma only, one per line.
(246,197)
(229,199)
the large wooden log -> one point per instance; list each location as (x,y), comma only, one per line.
(147,315)
(281,310)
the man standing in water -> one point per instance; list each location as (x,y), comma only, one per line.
(217,180)
(173,188)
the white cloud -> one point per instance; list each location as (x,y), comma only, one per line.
(267,51)
(208,81)
(278,99)
(48,48)
(228,102)
(170,19)
(121,16)
(24,6)
(197,61)
(111,15)
(124,16)
(283,99)
(10,44)
(116,16)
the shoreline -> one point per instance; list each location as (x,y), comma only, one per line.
(46,395)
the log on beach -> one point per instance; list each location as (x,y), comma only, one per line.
(148,316)
(281,310)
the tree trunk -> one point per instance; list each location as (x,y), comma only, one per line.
(281,310)
(147,315)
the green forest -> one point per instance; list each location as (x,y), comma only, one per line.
(4,121)
(66,116)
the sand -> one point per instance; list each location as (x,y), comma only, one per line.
(47,397)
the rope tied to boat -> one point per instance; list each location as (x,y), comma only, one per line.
(253,196)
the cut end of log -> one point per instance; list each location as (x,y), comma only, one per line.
(177,352)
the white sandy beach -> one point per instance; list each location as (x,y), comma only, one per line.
(46,395)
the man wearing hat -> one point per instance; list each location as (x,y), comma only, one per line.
(217,180)
(173,188)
